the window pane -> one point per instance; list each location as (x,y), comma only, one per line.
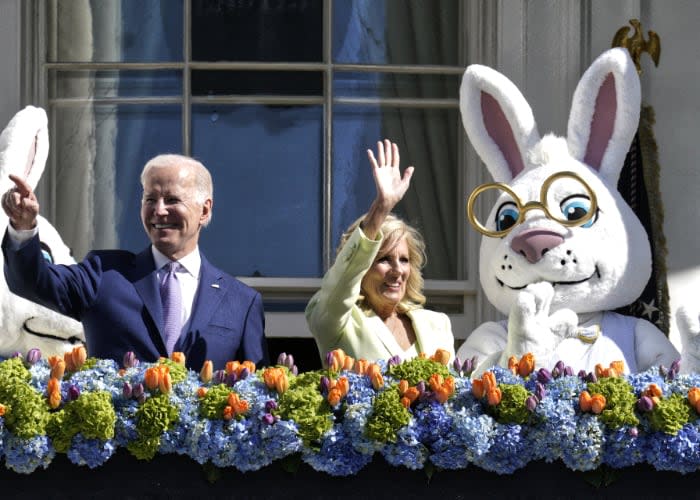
(428,140)
(356,84)
(109,84)
(99,153)
(303,83)
(113,30)
(396,32)
(253,30)
(266,163)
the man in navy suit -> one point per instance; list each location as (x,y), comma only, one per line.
(115,293)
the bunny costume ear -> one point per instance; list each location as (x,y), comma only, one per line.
(24,147)
(498,121)
(605,113)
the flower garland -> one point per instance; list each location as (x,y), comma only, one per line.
(418,413)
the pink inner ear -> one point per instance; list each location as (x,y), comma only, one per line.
(602,124)
(30,157)
(499,130)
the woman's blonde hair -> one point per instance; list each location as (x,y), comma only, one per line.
(393,230)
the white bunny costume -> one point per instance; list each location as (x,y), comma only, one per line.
(24,148)
(558,283)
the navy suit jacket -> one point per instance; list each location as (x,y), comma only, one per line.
(114,293)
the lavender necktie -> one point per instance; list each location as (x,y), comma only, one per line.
(171,296)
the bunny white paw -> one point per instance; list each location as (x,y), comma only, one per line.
(530,324)
(688,320)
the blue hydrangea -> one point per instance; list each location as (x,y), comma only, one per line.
(26,455)
(680,453)
(624,447)
(407,451)
(90,452)
(583,451)
(337,455)
(509,450)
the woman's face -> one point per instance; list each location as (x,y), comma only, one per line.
(384,284)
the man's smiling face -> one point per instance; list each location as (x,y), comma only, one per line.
(171,215)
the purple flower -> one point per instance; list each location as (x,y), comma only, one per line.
(73,392)
(270,405)
(129,360)
(268,419)
(127,390)
(137,391)
(540,391)
(531,403)
(544,376)
(245,372)
(645,404)
(33,356)
(219,377)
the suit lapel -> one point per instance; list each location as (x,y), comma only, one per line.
(210,291)
(146,284)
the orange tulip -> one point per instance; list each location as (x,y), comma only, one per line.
(334,396)
(52,360)
(165,384)
(441,356)
(403,386)
(55,399)
(435,381)
(654,390)
(249,365)
(202,391)
(585,401)
(526,365)
(178,357)
(411,394)
(79,355)
(58,369)
(618,366)
(270,376)
(513,364)
(493,396)
(373,369)
(611,372)
(442,394)
(207,371)
(450,384)
(281,383)
(232,367)
(343,384)
(228,413)
(151,378)
(405,402)
(68,360)
(422,355)
(121,372)
(693,396)
(489,380)
(2,410)
(241,408)
(54,385)
(361,366)
(377,380)
(233,399)
(348,363)
(597,403)
(478,388)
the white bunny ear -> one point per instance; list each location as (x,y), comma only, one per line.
(605,113)
(24,147)
(498,121)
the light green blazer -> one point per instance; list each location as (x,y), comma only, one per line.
(336,321)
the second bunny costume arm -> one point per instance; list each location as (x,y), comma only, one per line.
(329,310)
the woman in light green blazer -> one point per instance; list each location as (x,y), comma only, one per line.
(370,303)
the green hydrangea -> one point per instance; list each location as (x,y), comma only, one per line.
(155,416)
(178,372)
(619,401)
(417,370)
(92,415)
(671,414)
(303,403)
(512,409)
(388,416)
(212,405)
(26,412)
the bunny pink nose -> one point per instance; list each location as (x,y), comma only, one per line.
(534,243)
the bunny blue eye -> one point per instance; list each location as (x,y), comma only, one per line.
(577,207)
(507,216)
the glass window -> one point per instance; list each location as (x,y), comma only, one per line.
(279,98)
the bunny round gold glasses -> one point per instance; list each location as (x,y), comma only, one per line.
(577,206)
